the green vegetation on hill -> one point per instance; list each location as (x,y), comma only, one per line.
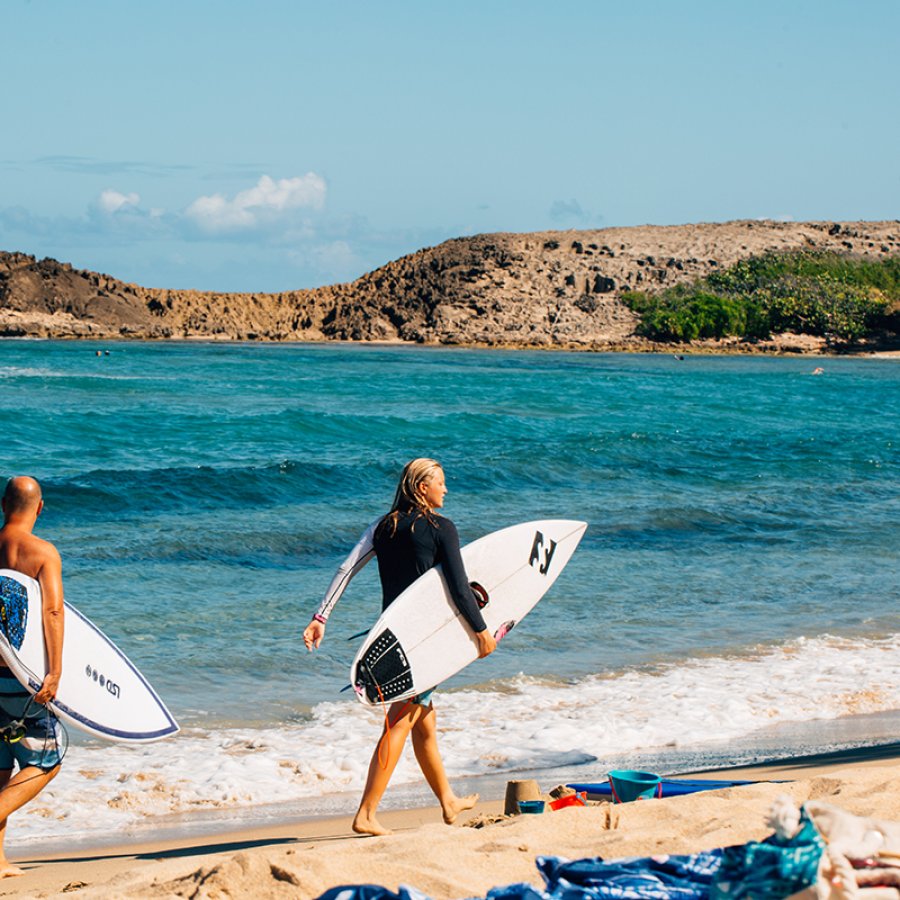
(841,297)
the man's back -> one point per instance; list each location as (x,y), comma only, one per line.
(24,552)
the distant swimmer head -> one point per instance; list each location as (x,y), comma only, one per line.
(421,486)
(22,497)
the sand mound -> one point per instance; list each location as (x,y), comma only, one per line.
(464,862)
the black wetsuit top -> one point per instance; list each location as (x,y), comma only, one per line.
(420,543)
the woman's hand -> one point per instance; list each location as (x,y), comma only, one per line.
(313,635)
(486,643)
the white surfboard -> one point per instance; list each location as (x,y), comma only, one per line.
(100,691)
(421,639)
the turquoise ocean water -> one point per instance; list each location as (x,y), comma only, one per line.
(736,592)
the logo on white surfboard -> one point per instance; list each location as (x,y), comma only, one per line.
(104,682)
(541,555)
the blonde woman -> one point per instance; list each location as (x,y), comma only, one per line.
(407,542)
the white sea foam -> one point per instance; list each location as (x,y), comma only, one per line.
(517,726)
(37,372)
(26,372)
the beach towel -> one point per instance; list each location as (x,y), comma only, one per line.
(645,878)
(650,878)
(685,877)
(772,869)
(371,892)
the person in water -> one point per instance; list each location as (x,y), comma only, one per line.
(407,542)
(29,732)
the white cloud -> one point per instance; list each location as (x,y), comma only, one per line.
(267,200)
(111,202)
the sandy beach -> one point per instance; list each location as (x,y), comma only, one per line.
(303,860)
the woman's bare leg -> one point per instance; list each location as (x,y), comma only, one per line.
(425,745)
(401,718)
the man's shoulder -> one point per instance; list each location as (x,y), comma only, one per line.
(44,548)
(39,555)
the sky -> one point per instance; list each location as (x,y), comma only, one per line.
(282,144)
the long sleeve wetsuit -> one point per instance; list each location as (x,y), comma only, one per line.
(418,543)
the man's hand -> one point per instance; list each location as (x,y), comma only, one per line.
(313,635)
(48,689)
(486,643)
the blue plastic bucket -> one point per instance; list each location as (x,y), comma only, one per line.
(628,785)
(531,806)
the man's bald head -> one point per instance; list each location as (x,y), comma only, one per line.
(21,497)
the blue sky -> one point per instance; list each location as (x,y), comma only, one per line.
(276,145)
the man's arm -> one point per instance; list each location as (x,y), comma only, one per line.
(50,578)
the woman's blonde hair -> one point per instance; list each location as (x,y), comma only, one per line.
(408,496)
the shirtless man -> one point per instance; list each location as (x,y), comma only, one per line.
(37,750)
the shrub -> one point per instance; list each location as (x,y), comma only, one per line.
(824,294)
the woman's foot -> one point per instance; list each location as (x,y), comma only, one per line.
(8,870)
(366,824)
(458,805)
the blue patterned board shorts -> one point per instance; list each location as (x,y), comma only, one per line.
(40,745)
(423,699)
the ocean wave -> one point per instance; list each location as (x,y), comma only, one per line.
(108,493)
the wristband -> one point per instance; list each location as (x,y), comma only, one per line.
(319,618)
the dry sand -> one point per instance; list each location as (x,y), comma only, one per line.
(302,861)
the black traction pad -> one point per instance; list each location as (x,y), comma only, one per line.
(384,672)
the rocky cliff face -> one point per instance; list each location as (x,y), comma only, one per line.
(541,289)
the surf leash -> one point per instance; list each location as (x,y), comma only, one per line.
(16,729)
(387,725)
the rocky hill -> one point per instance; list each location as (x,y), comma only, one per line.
(541,289)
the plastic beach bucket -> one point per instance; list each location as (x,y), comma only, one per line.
(628,785)
(579,799)
(531,806)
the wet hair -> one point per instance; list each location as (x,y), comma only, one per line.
(22,494)
(408,497)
